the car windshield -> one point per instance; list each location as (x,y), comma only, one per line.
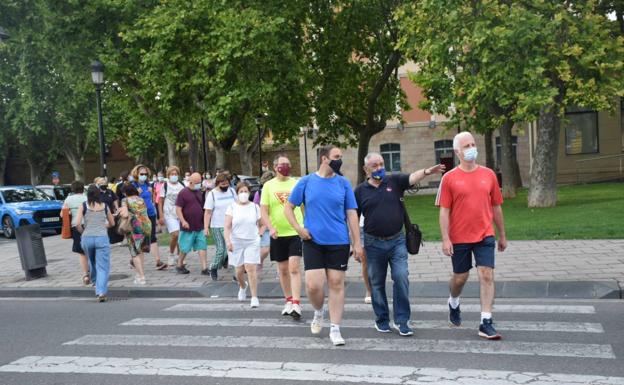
(24,195)
(61,192)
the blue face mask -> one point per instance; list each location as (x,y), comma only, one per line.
(196,186)
(173,179)
(470,154)
(378,174)
(142,178)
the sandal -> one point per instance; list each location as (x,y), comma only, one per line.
(86,280)
(160,265)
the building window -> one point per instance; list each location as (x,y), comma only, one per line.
(391,153)
(444,153)
(499,152)
(581,131)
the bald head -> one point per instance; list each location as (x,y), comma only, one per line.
(196,178)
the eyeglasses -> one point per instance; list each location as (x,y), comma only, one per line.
(143,174)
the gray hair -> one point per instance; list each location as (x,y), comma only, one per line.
(459,137)
(369,156)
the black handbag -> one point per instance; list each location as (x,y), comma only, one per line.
(413,235)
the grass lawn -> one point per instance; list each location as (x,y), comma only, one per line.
(594,211)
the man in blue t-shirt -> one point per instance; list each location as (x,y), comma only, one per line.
(329,215)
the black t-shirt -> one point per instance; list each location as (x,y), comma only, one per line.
(381,206)
(108,197)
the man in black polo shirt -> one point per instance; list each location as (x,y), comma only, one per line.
(379,200)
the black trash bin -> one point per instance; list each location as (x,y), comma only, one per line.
(31,251)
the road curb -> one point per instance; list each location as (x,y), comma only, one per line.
(505,289)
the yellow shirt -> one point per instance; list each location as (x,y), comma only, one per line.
(275,195)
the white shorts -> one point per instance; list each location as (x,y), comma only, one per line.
(173,224)
(245,251)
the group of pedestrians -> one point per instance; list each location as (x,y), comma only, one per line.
(315,218)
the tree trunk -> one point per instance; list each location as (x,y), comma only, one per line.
(543,185)
(192,151)
(172,156)
(507,166)
(517,177)
(35,173)
(363,146)
(489,150)
(221,158)
(77,165)
(3,162)
(246,159)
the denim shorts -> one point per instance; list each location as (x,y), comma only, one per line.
(483,254)
(265,239)
(192,241)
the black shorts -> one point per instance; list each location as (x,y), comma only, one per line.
(283,248)
(153,235)
(76,237)
(315,256)
(483,254)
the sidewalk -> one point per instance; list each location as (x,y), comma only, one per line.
(572,269)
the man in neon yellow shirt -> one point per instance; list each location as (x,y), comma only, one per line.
(285,242)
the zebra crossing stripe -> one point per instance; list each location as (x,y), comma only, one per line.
(359,344)
(291,371)
(568,327)
(470,308)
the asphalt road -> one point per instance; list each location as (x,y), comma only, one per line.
(187,341)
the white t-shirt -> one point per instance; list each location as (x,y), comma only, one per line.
(244,220)
(218,201)
(173,189)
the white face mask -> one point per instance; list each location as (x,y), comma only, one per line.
(470,154)
(243,197)
(173,179)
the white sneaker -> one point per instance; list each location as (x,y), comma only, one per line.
(317,323)
(287,308)
(242,293)
(254,302)
(296,311)
(139,281)
(336,337)
(172,261)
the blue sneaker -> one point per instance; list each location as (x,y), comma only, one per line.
(382,326)
(454,316)
(403,329)
(486,330)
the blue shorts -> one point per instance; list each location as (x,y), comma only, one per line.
(483,254)
(265,239)
(192,241)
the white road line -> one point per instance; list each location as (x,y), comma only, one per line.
(360,344)
(293,371)
(471,308)
(570,327)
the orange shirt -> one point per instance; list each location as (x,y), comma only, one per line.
(470,197)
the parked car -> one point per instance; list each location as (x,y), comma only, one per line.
(26,205)
(59,192)
(254,183)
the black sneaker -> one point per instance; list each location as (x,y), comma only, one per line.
(182,270)
(454,316)
(486,330)
(213,274)
(205,272)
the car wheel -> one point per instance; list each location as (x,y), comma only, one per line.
(8,228)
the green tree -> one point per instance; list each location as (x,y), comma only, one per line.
(351,49)
(473,61)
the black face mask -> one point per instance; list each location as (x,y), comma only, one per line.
(224,189)
(103,187)
(335,165)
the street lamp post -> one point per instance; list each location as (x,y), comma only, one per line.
(259,119)
(3,35)
(97,76)
(204,146)
(305,146)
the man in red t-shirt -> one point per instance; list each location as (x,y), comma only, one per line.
(470,199)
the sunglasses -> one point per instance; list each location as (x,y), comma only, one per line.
(143,174)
